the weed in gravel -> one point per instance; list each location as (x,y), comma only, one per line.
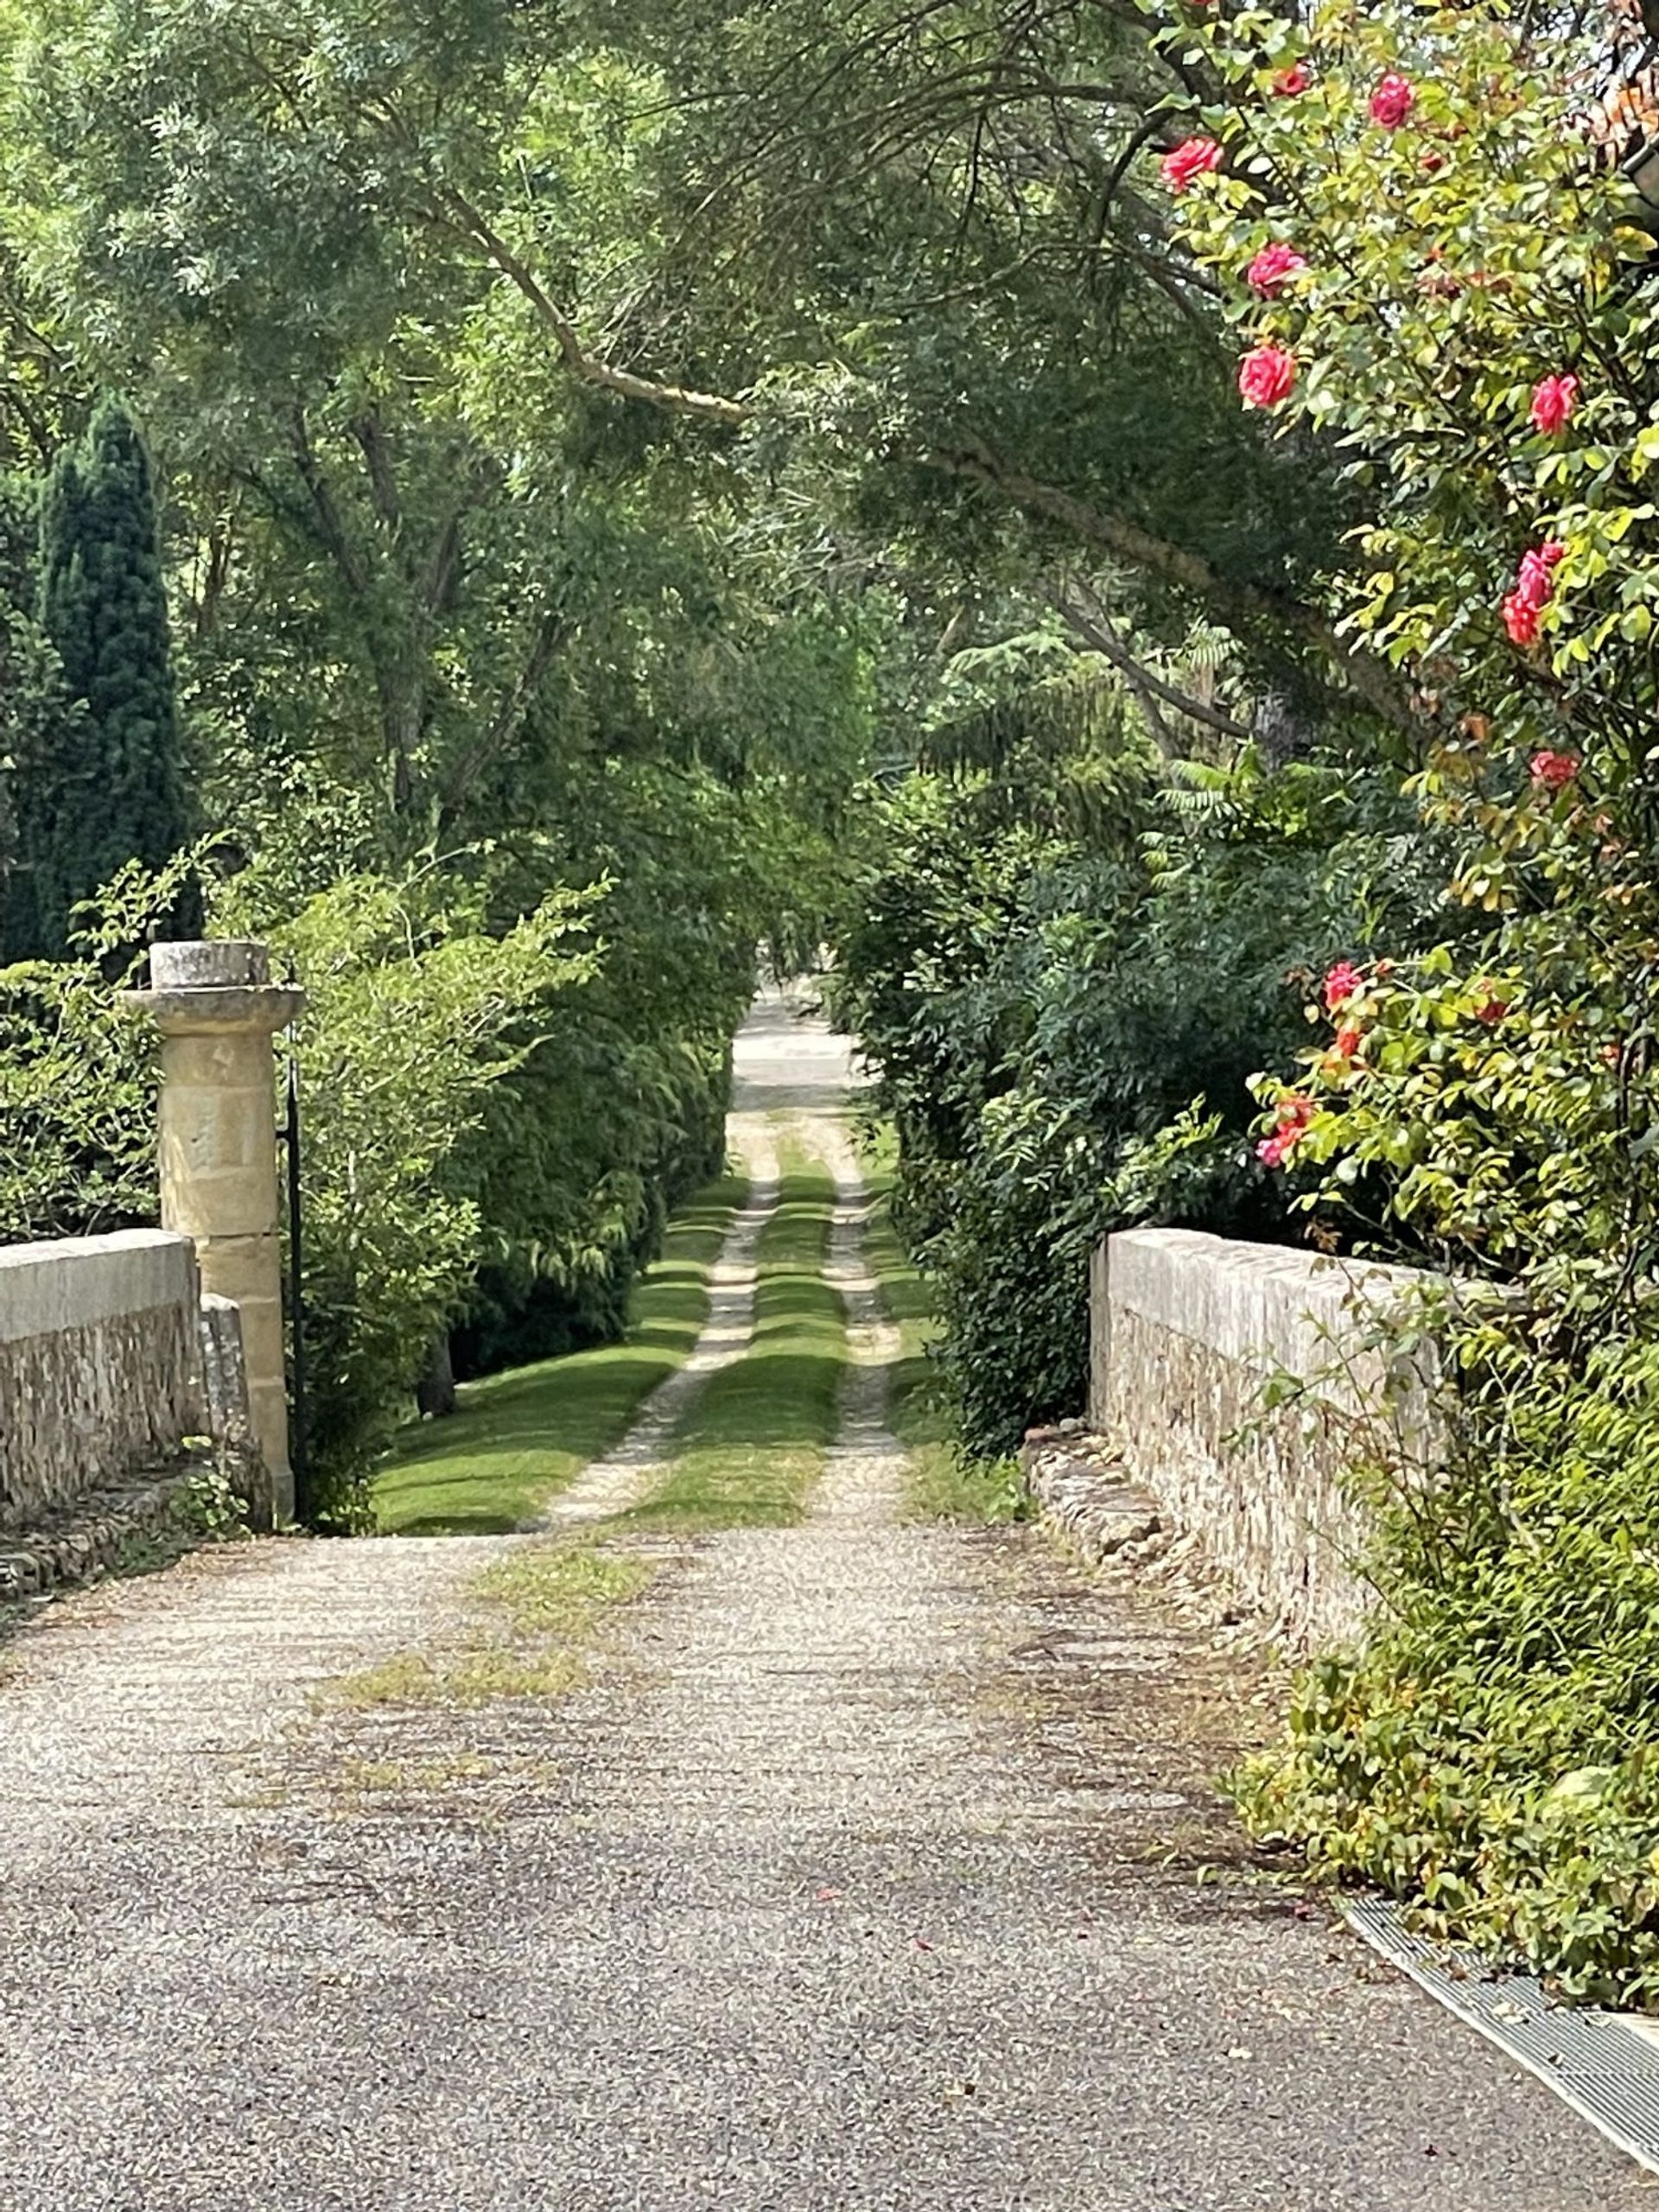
(540,1610)
(561,1590)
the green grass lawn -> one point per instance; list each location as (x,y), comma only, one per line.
(749,1450)
(522,1436)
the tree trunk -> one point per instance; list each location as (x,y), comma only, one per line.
(435,1393)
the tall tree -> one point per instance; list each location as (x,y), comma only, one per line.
(112,791)
(35,709)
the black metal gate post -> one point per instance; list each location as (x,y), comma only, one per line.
(299,1442)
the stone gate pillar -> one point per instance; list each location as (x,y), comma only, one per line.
(218,1010)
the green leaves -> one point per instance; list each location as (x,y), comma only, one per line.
(1485,1756)
(1048,989)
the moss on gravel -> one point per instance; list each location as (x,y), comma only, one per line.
(539,1610)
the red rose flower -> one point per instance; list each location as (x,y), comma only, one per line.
(1490,1008)
(1340,985)
(1289,82)
(1273,269)
(1520,620)
(1295,1113)
(1193,157)
(1267,376)
(1534,587)
(1392,102)
(1348,1041)
(1554,771)
(1553,404)
(1536,582)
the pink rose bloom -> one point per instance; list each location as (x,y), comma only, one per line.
(1289,82)
(1554,771)
(1553,403)
(1343,980)
(1267,376)
(1392,102)
(1194,157)
(1520,620)
(1534,587)
(1273,269)
(1295,1115)
(1537,579)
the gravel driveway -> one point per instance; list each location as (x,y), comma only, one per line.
(862,1874)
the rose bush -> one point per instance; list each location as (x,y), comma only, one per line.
(1474,321)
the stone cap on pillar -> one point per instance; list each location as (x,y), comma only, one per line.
(215,984)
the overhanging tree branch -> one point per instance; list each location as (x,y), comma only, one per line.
(677,399)
(1243,608)
(1094,628)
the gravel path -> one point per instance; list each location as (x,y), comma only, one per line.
(630,1471)
(861,1876)
(778,1068)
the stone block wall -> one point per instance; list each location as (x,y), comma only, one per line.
(1187,1330)
(101,1366)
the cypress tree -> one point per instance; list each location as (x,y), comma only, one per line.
(113,790)
(34,712)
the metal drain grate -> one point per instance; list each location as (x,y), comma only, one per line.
(1605,2065)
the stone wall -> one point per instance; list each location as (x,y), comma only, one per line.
(99,1367)
(1186,1330)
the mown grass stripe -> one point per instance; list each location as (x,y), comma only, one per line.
(942,1484)
(524,1435)
(748,1451)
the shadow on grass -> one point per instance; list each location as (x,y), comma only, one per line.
(522,1436)
(943,1485)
